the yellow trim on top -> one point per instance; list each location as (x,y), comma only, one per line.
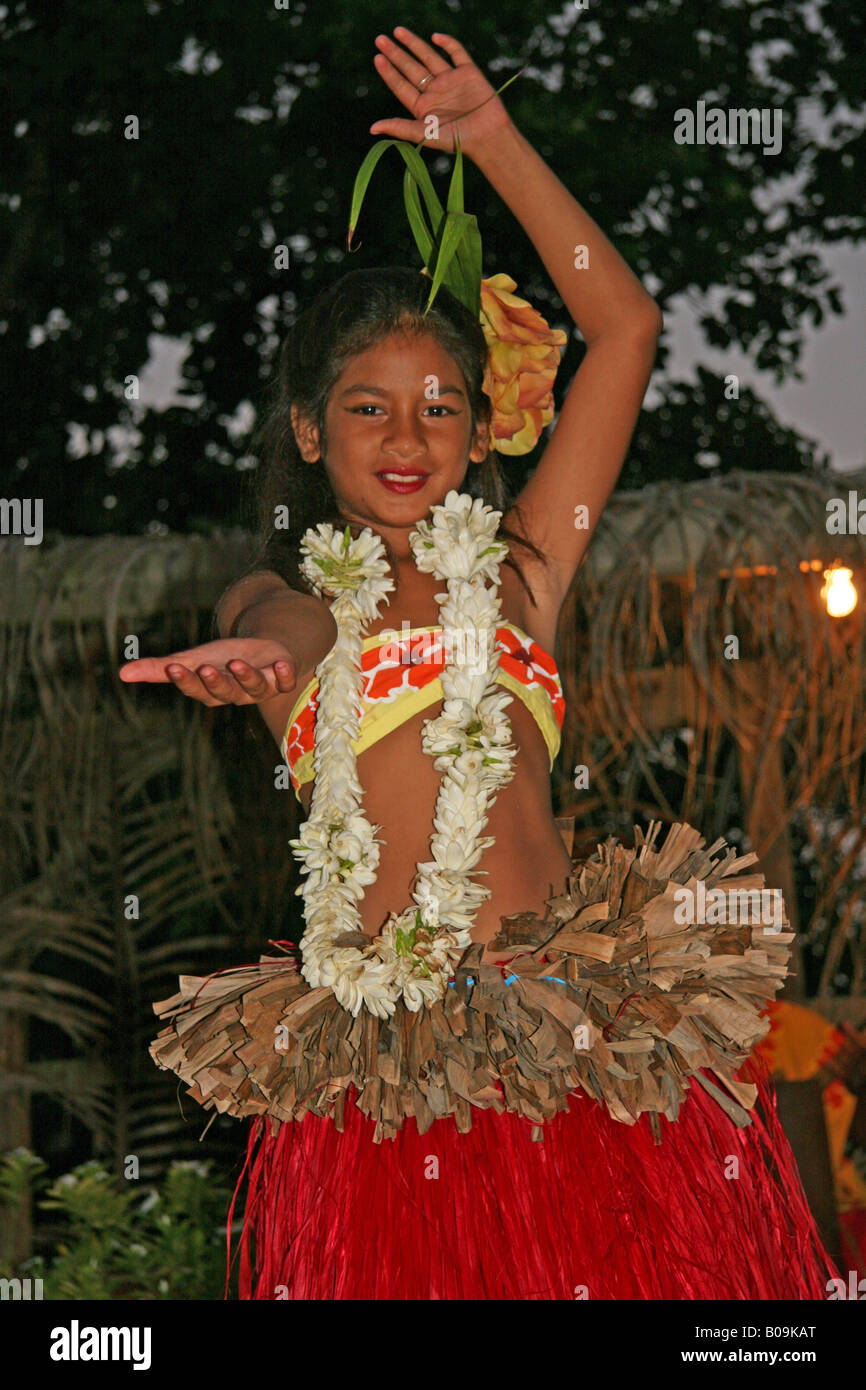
(537,701)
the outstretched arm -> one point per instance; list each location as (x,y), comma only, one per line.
(271,640)
(618,320)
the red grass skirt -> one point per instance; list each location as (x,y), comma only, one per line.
(597,1210)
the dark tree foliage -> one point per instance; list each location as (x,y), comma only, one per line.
(253,120)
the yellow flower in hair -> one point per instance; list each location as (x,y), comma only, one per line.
(522,362)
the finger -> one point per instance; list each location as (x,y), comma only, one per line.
(412,131)
(456,52)
(412,70)
(279,678)
(403,90)
(188,683)
(252,681)
(221,686)
(153,668)
(433,61)
(286,676)
(256,683)
(147,668)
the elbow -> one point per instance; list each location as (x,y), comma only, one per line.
(651,320)
(641,324)
(229,611)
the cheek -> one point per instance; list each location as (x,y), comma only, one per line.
(349,434)
(342,443)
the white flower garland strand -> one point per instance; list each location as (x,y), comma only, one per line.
(417,950)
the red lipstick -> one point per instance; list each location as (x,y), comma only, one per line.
(402,479)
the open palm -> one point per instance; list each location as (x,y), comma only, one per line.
(459,96)
(229,671)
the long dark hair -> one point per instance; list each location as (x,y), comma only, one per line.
(356,312)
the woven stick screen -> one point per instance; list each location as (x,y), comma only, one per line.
(706,681)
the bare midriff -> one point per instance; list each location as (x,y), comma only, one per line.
(528,862)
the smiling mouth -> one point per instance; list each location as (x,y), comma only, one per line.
(398,476)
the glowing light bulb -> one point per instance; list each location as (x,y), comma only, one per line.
(838,592)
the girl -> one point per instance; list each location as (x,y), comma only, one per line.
(407,1018)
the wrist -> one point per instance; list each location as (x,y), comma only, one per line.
(497,148)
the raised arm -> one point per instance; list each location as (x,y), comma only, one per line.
(620,324)
(619,321)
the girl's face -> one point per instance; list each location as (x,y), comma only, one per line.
(399,407)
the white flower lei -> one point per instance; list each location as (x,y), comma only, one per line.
(417,950)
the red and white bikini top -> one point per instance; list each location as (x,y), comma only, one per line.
(401,677)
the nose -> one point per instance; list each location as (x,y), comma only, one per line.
(405,450)
(405,439)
